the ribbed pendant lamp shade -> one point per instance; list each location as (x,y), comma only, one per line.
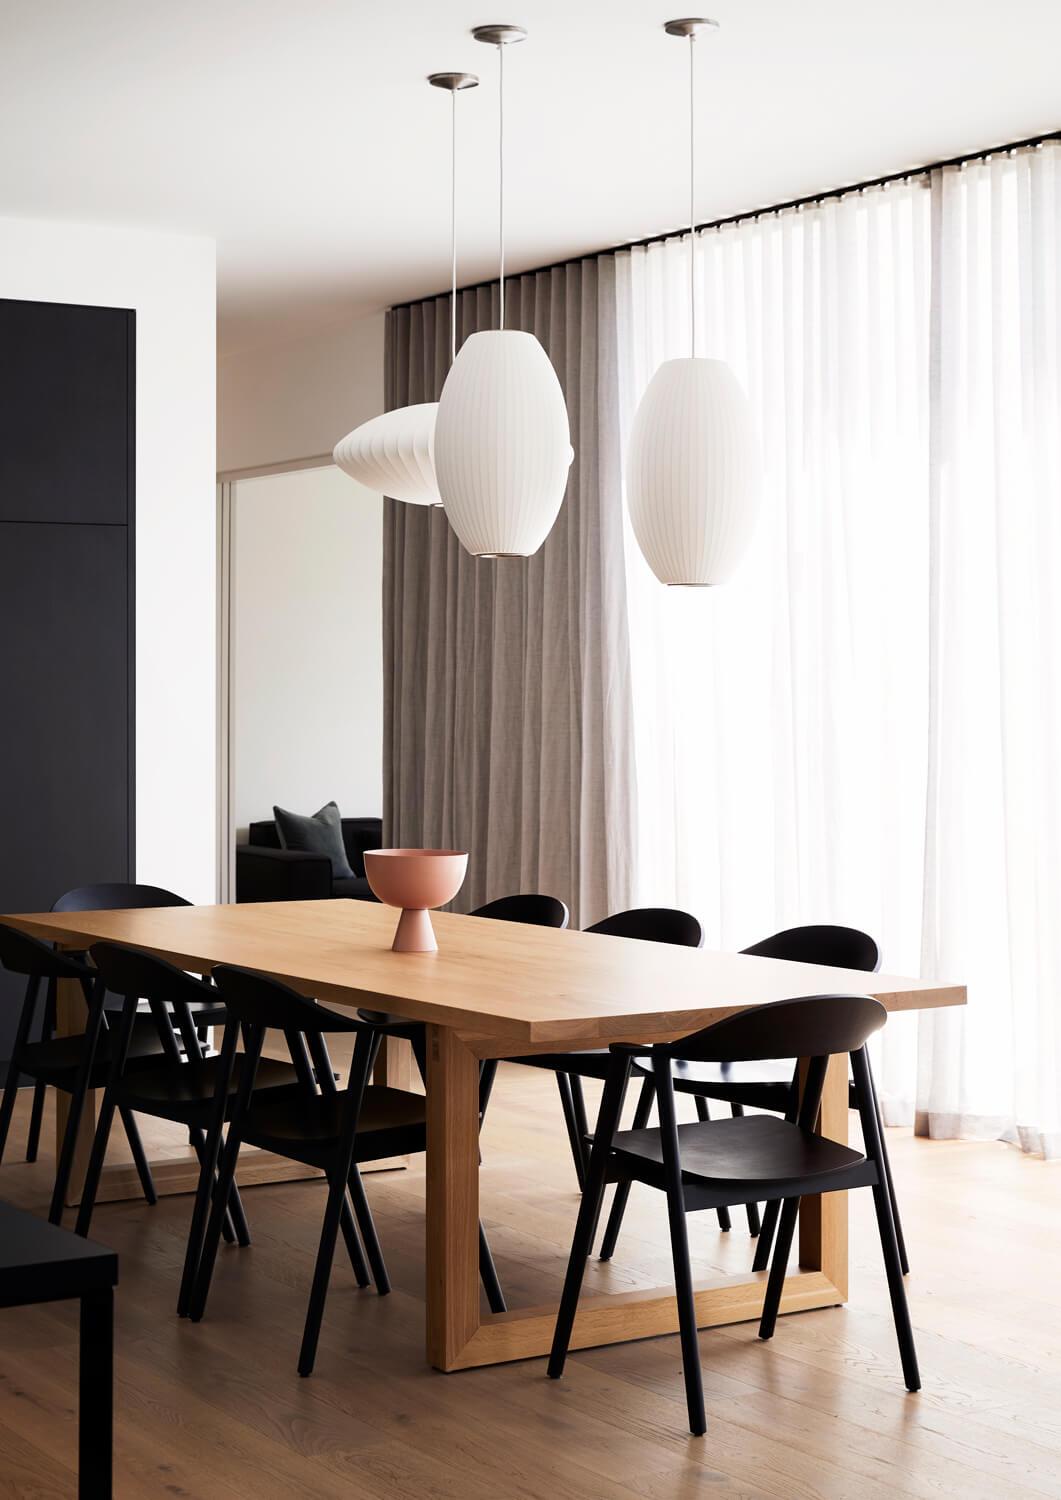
(502,444)
(693,472)
(393,454)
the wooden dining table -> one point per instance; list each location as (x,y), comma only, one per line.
(500,989)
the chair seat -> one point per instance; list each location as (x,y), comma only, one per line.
(756,1150)
(57,1061)
(179,1091)
(392,1122)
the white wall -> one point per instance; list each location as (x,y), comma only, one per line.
(169,281)
(296,400)
(307,666)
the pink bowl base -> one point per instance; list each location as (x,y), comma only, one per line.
(414,933)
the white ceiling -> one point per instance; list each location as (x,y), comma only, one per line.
(301,133)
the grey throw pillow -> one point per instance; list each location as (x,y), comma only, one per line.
(320,834)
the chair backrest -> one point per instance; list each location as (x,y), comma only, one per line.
(115,895)
(809,1026)
(22,954)
(127,971)
(532,909)
(653,924)
(256,1000)
(837,947)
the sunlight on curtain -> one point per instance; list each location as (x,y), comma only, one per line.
(993,868)
(786,748)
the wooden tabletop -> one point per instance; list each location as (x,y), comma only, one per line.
(502,979)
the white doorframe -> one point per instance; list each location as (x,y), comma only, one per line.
(226,831)
(227,484)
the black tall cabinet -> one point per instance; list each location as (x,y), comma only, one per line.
(67,511)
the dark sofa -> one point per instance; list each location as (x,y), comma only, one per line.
(265,872)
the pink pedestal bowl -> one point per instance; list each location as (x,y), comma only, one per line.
(416,880)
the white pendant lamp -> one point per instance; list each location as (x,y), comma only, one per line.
(502,441)
(693,463)
(394,453)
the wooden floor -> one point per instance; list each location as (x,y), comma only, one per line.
(217,1411)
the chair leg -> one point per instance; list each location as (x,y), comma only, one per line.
(577,1144)
(778,1267)
(488,1274)
(321,1274)
(367,1225)
(578,1099)
(40,1088)
(239,1217)
(198,1144)
(353,1244)
(7,1105)
(25,1021)
(136,1146)
(95,1163)
(67,1151)
(679,1243)
(766,1235)
(886,1169)
(588,1212)
(200,1209)
(896,1287)
(211,1239)
(622,1190)
(33,1140)
(882,1203)
(686,1298)
(752,1209)
(487,1075)
(703,1113)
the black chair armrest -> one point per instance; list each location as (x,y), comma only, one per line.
(281,874)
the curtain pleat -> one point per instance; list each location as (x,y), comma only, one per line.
(507,709)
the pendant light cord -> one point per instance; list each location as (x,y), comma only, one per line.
(692,193)
(453,229)
(501,176)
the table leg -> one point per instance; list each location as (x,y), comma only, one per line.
(823,1218)
(452,1197)
(395,1067)
(70,1018)
(95,1442)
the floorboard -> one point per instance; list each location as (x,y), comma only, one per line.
(217,1412)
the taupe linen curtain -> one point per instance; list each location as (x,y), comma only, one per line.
(508,725)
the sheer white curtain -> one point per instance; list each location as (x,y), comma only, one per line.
(792,760)
(993,857)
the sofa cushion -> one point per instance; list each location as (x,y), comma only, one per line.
(320,834)
(356,889)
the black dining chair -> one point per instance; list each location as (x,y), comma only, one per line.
(332,1129)
(178,1084)
(108,896)
(766,1085)
(74,1064)
(706,1163)
(653,924)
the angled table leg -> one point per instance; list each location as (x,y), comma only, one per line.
(452,1197)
